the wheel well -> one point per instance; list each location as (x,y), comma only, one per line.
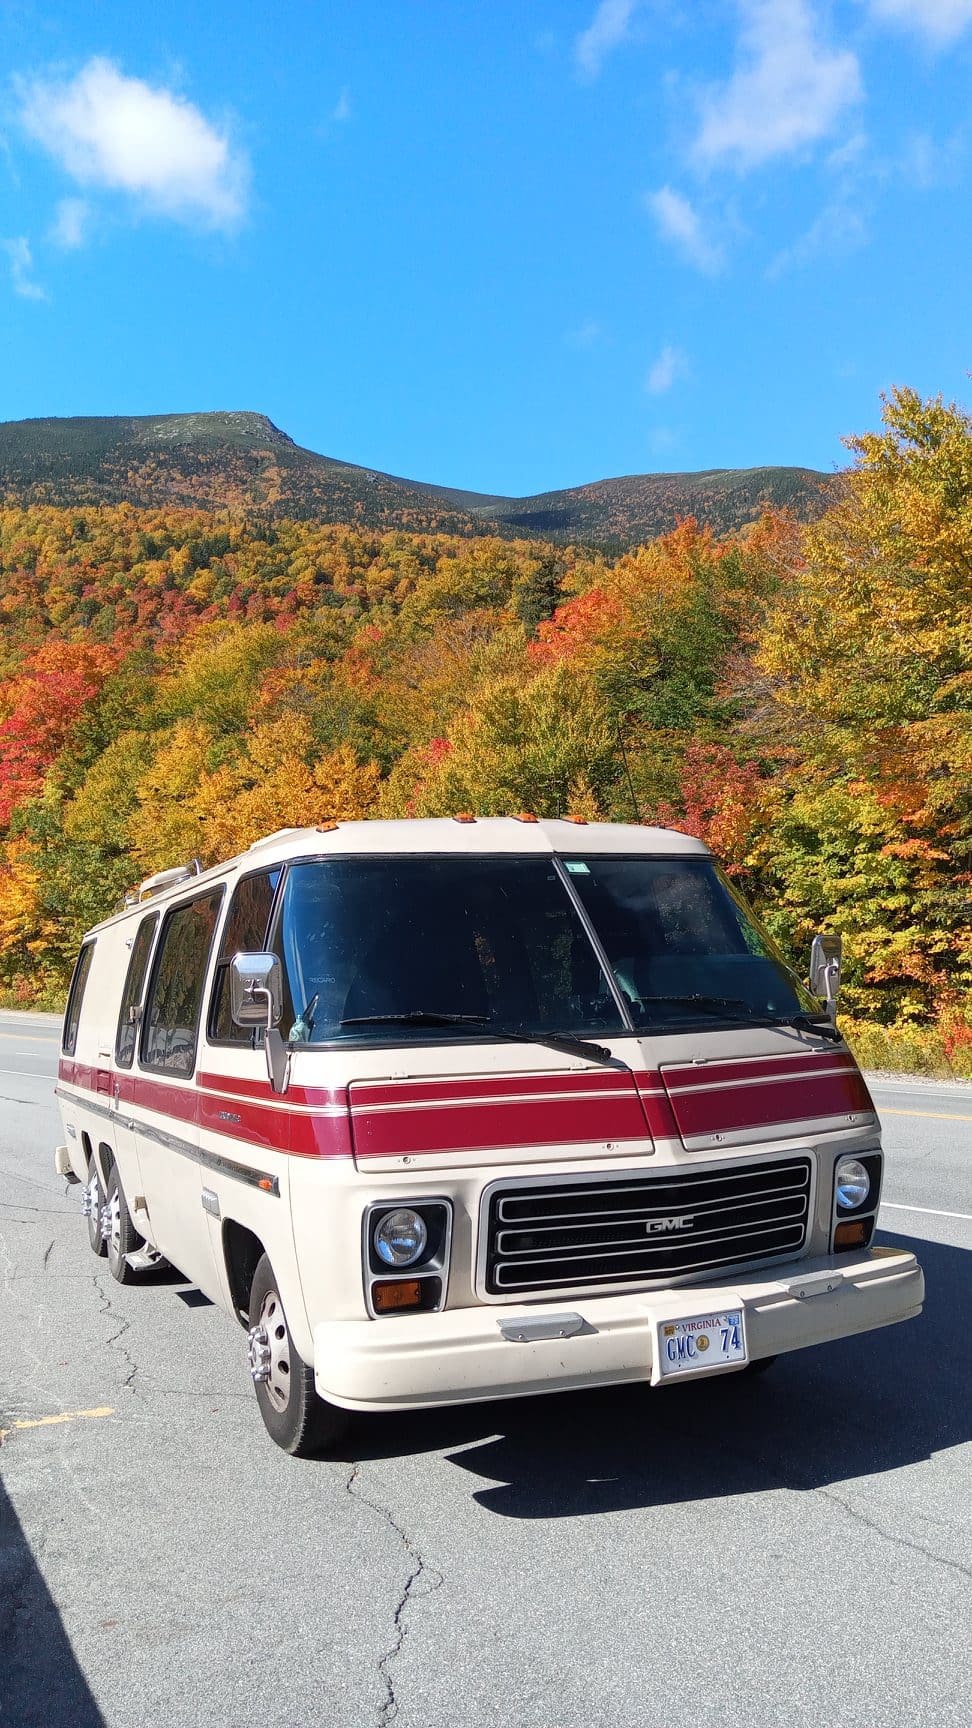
(242,1251)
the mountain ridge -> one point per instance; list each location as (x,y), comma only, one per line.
(239,459)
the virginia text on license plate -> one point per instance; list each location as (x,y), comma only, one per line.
(703,1341)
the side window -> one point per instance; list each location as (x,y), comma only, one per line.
(127,1035)
(171,1020)
(245,932)
(73,1016)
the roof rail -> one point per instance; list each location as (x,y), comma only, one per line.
(278,834)
(163,879)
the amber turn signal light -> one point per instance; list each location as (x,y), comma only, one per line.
(853,1234)
(464,816)
(397,1293)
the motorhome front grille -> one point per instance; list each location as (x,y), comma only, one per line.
(643,1230)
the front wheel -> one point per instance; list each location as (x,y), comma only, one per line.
(294,1416)
(94,1199)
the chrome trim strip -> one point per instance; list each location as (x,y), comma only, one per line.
(594,939)
(261,1179)
(676,1091)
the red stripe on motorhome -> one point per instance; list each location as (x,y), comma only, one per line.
(729,1098)
(500,1124)
(245,1120)
(688,1077)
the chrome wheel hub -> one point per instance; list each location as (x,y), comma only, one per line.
(111,1223)
(258,1353)
(269,1351)
(89,1198)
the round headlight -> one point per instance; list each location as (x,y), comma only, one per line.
(400,1237)
(853,1184)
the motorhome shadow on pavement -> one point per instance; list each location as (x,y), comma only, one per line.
(452,1110)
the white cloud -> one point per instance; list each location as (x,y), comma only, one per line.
(586,335)
(342,107)
(22,268)
(109,130)
(940,20)
(678,222)
(69,228)
(670,365)
(838,229)
(788,90)
(609,27)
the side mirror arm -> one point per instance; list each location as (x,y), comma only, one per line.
(278,1059)
(274,1048)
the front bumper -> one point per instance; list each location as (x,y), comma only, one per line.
(457,1357)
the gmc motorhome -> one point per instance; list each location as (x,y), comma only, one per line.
(468,1109)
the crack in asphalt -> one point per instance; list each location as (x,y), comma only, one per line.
(421,1570)
(894,1537)
(48,1251)
(113,1341)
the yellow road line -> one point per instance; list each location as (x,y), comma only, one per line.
(933,1115)
(52,1421)
(30,1038)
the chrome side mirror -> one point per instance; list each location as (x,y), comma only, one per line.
(256,989)
(256,999)
(825,962)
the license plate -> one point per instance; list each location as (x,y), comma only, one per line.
(701,1342)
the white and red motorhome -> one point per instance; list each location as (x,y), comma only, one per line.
(474,1108)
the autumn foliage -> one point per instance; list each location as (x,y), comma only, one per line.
(174,684)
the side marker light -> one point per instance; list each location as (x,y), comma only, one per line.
(853,1234)
(401,1293)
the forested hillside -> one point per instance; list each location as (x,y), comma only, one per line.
(239,463)
(175,685)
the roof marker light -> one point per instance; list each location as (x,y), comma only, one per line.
(580,820)
(464,816)
(326,827)
(526,816)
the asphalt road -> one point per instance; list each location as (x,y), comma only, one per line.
(791,1549)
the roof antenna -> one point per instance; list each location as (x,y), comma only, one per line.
(627,775)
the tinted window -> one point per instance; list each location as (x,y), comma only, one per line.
(245,932)
(673,929)
(495,939)
(178,976)
(127,1035)
(78,982)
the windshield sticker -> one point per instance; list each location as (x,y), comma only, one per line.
(577,867)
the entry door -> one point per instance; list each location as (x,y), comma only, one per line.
(165,1102)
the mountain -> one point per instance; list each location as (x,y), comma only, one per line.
(241,461)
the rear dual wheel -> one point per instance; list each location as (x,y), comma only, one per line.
(295,1417)
(122,1238)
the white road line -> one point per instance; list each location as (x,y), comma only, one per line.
(924,1211)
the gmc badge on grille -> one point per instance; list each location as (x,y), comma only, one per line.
(655,1226)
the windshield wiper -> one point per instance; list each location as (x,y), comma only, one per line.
(810,1023)
(718,1005)
(556,1040)
(710,1005)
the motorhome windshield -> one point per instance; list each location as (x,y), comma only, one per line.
(408,949)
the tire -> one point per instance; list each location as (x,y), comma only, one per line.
(294,1416)
(96,1200)
(123,1238)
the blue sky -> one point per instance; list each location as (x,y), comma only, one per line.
(509,246)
